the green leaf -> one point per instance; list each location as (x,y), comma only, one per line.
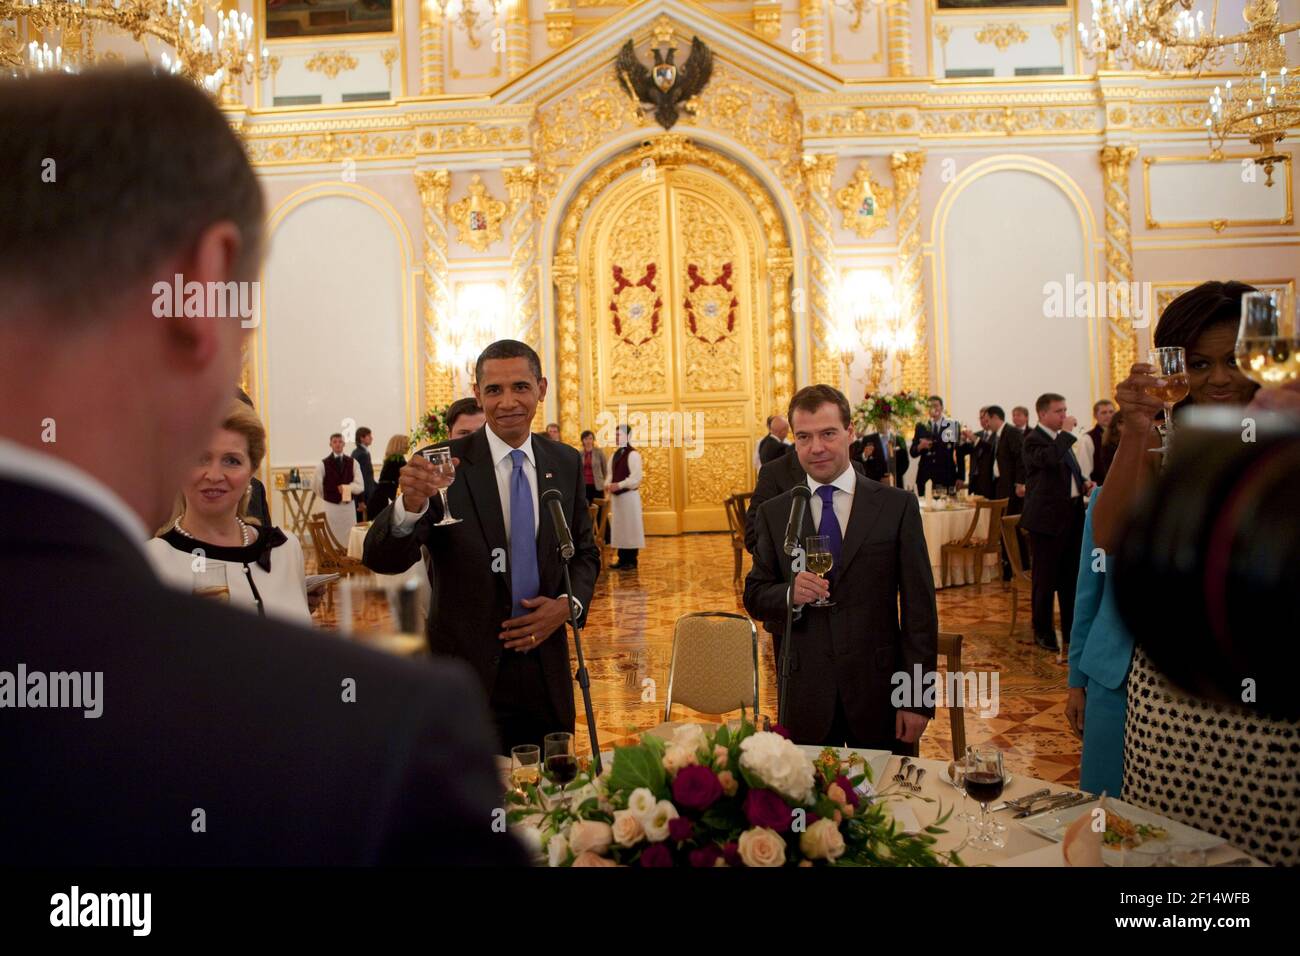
(723,737)
(638,767)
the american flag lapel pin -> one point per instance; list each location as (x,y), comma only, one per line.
(547,475)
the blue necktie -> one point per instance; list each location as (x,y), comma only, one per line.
(524,581)
(829,526)
(1073,464)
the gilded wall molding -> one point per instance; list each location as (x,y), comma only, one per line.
(819,298)
(518,57)
(432,77)
(852,198)
(521,187)
(898,17)
(1115,162)
(906,168)
(478,216)
(814,30)
(668,149)
(434,185)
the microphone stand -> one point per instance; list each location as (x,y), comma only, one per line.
(584,679)
(784,679)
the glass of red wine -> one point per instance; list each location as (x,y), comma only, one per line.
(561,761)
(983,781)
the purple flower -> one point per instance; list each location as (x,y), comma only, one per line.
(765,808)
(849,793)
(706,856)
(731,853)
(680,829)
(696,787)
(656,854)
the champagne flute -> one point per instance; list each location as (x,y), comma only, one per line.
(561,762)
(525,766)
(1266,353)
(210,581)
(818,555)
(440,458)
(984,781)
(1171,386)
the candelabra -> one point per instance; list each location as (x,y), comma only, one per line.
(220,61)
(466,13)
(872,316)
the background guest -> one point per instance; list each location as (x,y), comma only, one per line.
(972,453)
(773,444)
(337,472)
(935,443)
(1020,419)
(869,456)
(263,566)
(1053,516)
(464,417)
(361,454)
(553,431)
(595,468)
(1093,443)
(627,530)
(386,486)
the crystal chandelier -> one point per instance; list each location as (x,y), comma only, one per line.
(220,61)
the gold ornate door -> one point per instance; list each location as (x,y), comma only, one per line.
(672,279)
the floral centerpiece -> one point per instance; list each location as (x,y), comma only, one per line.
(432,428)
(878,412)
(726,798)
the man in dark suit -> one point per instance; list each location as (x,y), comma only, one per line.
(1053,516)
(773,444)
(883,622)
(214,737)
(870,456)
(361,454)
(1020,419)
(972,466)
(935,443)
(499,600)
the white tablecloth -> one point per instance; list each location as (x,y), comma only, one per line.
(357,546)
(943,526)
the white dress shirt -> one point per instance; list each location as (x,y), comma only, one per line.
(1075,491)
(998,436)
(40,470)
(842,499)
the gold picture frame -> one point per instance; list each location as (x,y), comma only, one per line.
(1218,225)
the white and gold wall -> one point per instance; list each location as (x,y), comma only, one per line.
(1002,159)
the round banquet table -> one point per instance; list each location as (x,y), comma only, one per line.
(357,546)
(942,525)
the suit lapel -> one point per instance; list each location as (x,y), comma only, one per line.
(481,480)
(863,515)
(547,477)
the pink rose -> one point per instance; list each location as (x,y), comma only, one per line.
(591,859)
(729,783)
(720,756)
(822,841)
(590,835)
(762,847)
(627,829)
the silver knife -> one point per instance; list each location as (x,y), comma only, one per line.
(1053,803)
(1020,803)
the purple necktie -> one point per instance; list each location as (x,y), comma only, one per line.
(829,526)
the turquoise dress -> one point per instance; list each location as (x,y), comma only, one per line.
(1101,653)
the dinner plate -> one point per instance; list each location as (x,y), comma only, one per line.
(1052,826)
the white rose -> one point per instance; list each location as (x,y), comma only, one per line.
(627,828)
(656,825)
(591,835)
(641,803)
(675,758)
(690,737)
(822,841)
(557,850)
(762,847)
(779,764)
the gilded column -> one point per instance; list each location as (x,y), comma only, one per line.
(822,273)
(564,273)
(517,38)
(559,22)
(907,178)
(767,19)
(431,70)
(780,266)
(814,30)
(521,185)
(898,18)
(1115,162)
(439,380)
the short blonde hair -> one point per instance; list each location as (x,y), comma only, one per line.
(397,445)
(242,420)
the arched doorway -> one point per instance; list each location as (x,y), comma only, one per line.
(672,277)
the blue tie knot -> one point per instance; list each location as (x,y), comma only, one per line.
(517,458)
(827,493)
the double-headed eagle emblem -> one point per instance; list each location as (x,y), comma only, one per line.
(665,85)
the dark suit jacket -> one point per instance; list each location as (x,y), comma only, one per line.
(1048,508)
(973,465)
(771,448)
(939,461)
(362,455)
(212,708)
(877,465)
(257,506)
(470,600)
(884,619)
(1011,465)
(385,488)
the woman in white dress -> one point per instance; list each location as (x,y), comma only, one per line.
(211,529)
(627,531)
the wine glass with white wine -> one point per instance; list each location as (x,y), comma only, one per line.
(1171,387)
(818,557)
(440,458)
(1267,352)
(210,582)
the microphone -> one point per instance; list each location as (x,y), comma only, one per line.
(552,500)
(798,504)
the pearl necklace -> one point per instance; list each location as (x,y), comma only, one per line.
(244,533)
